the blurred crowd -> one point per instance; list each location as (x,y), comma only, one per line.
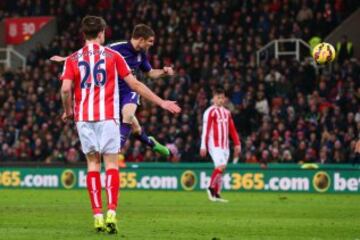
(283,110)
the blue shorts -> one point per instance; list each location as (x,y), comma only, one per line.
(129,97)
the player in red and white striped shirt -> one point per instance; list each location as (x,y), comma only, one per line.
(217,126)
(93,73)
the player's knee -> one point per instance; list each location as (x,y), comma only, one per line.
(94,166)
(111,165)
(136,129)
(93,161)
(128,118)
(111,161)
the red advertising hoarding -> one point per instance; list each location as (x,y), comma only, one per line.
(19,30)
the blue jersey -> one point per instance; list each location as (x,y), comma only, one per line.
(136,60)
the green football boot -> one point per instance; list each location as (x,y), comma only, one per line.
(159,148)
(99,223)
(111,223)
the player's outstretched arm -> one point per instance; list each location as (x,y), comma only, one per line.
(145,92)
(206,125)
(66,89)
(57,58)
(235,137)
(157,73)
(67,78)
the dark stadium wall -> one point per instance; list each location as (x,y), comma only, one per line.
(44,37)
(349,27)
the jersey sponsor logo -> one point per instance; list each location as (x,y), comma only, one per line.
(188,180)
(68,178)
(89,53)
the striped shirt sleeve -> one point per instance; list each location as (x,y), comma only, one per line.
(68,70)
(233,132)
(206,126)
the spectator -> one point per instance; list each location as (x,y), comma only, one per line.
(323,156)
(287,157)
(344,49)
(305,14)
(279,105)
(262,104)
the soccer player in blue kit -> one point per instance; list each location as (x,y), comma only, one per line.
(134,53)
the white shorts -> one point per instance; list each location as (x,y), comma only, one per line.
(219,156)
(102,136)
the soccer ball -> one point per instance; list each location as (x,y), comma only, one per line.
(323,53)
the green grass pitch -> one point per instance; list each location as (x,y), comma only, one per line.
(61,214)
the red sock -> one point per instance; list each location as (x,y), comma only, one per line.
(218,183)
(214,177)
(112,188)
(94,188)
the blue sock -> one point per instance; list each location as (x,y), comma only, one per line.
(125,130)
(144,139)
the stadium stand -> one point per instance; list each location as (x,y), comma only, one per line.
(283,110)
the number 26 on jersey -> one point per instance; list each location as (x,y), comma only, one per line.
(98,74)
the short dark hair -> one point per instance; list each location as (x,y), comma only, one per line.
(219,90)
(142,31)
(91,26)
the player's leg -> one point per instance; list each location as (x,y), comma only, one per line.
(110,147)
(93,183)
(221,165)
(218,184)
(219,158)
(129,105)
(127,111)
(140,134)
(215,181)
(90,147)
(112,184)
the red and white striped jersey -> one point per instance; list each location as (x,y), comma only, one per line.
(95,72)
(217,125)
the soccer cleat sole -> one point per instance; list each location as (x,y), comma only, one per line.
(111,228)
(221,200)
